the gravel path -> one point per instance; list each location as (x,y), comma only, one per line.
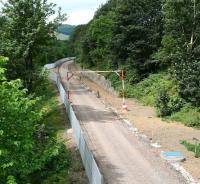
(144,118)
(120,155)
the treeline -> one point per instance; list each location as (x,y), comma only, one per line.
(28,146)
(151,40)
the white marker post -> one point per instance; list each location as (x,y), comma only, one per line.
(122,77)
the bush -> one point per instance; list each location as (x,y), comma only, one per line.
(167,105)
(162,103)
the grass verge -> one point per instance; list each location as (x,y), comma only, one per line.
(66,167)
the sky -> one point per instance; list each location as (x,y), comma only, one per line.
(78,11)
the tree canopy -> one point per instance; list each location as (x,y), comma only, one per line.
(26,39)
(26,32)
(146,37)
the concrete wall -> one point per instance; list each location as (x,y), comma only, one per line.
(91,167)
(100,80)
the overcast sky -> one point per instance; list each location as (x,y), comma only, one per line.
(78,11)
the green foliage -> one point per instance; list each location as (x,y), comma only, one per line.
(191,147)
(54,171)
(187,73)
(11,180)
(162,103)
(92,41)
(148,89)
(189,115)
(76,40)
(66,162)
(59,49)
(27,144)
(122,33)
(25,35)
(167,105)
(99,35)
(147,38)
(137,35)
(19,117)
(180,49)
(2,69)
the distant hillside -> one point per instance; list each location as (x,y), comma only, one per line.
(61,36)
(66,29)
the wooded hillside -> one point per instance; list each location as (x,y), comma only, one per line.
(157,43)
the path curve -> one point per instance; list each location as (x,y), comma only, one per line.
(122,158)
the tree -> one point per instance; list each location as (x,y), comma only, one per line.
(76,39)
(93,40)
(25,144)
(181,48)
(137,35)
(26,32)
(99,37)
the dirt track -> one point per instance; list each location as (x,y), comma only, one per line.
(121,156)
(169,135)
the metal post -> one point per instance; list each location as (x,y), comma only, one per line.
(123,88)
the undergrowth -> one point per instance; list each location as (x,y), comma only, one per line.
(66,167)
(160,91)
(192,147)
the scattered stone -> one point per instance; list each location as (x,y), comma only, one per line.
(184,173)
(156,145)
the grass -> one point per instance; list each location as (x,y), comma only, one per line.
(192,147)
(147,91)
(67,167)
(188,115)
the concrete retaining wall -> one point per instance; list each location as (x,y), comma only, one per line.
(100,80)
(91,167)
(58,63)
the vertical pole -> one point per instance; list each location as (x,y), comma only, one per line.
(123,87)
(124,106)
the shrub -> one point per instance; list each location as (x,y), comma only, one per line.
(191,147)
(167,105)
(162,103)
